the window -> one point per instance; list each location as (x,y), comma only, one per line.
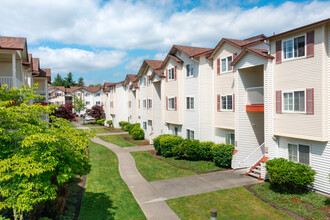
(294,47)
(227,102)
(150,124)
(98,103)
(59,94)
(175,130)
(144,81)
(78,94)
(171,103)
(190,103)
(145,125)
(149,80)
(190,70)
(299,153)
(225,64)
(171,74)
(190,134)
(87,94)
(97,94)
(144,104)
(58,103)
(149,103)
(87,103)
(230,138)
(294,101)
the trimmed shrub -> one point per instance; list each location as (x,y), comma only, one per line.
(222,154)
(188,149)
(110,123)
(167,143)
(205,151)
(130,127)
(288,176)
(123,125)
(156,142)
(137,133)
(100,122)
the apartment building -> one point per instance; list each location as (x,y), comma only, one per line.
(150,99)
(42,77)
(133,96)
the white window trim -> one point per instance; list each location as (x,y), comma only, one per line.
(226,110)
(190,76)
(231,133)
(293,111)
(190,109)
(150,81)
(168,103)
(309,155)
(146,127)
(190,130)
(149,103)
(168,72)
(144,107)
(292,38)
(227,64)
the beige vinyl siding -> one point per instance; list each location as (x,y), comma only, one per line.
(157,109)
(206,100)
(149,95)
(299,74)
(224,85)
(319,159)
(174,89)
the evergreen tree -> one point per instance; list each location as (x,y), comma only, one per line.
(58,81)
(81,82)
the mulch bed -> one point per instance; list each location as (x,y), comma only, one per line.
(79,195)
(132,141)
(249,188)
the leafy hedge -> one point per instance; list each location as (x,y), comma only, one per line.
(175,146)
(222,154)
(137,133)
(288,176)
(100,122)
(110,123)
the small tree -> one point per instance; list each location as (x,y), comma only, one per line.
(65,111)
(96,112)
(78,103)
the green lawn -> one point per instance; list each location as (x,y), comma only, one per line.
(71,125)
(106,195)
(117,139)
(99,130)
(136,141)
(153,170)
(235,203)
(196,166)
(309,205)
(92,125)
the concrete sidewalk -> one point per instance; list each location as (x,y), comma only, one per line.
(152,204)
(192,185)
(114,133)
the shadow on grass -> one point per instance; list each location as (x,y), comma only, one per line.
(287,190)
(327,202)
(97,206)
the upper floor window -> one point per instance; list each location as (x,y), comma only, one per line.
(98,94)
(190,134)
(149,103)
(171,74)
(144,104)
(87,103)
(189,70)
(78,94)
(171,103)
(299,153)
(98,103)
(58,94)
(149,80)
(294,101)
(144,81)
(87,94)
(225,64)
(190,103)
(227,102)
(294,47)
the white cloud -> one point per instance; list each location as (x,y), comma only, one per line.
(75,60)
(135,64)
(118,74)
(151,24)
(160,56)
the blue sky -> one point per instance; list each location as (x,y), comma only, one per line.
(102,41)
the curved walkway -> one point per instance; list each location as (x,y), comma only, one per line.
(153,206)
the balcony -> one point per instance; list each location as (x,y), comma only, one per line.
(9,81)
(255,99)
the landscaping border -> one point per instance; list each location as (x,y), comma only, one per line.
(294,215)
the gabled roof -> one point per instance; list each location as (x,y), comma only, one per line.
(153,64)
(239,43)
(61,88)
(12,43)
(190,51)
(130,78)
(35,65)
(300,28)
(159,73)
(73,88)
(173,57)
(45,73)
(261,53)
(92,89)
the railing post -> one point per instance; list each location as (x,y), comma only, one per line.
(214,214)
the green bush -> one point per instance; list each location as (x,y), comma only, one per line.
(130,127)
(289,176)
(124,125)
(100,122)
(188,149)
(137,133)
(167,143)
(156,142)
(222,154)
(205,151)
(110,123)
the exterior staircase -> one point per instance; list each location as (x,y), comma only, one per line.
(255,170)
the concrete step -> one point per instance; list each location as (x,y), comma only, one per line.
(256,171)
(254,175)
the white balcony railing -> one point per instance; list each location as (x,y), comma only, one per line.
(255,95)
(6,80)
